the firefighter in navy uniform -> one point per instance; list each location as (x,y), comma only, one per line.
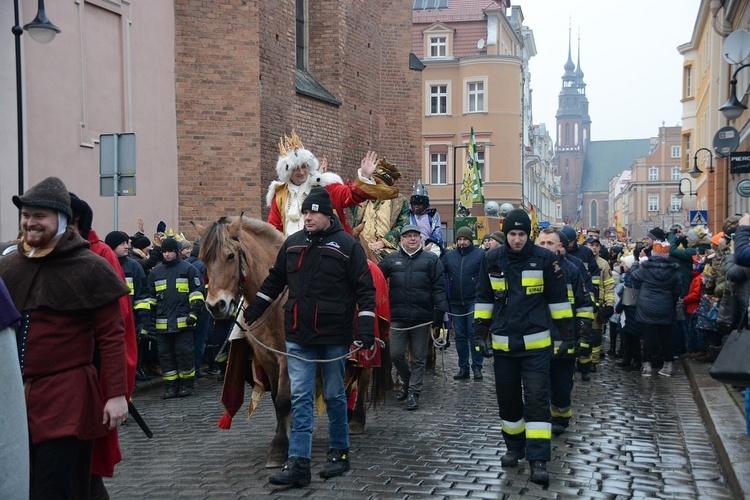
(563,364)
(521,297)
(177,295)
(137,282)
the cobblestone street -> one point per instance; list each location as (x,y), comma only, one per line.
(630,437)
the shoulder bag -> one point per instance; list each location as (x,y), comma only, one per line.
(731,365)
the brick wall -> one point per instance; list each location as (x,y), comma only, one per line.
(235,66)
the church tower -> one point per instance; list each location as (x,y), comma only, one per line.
(573,135)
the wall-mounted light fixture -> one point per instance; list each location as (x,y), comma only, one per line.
(680,194)
(733,108)
(696,172)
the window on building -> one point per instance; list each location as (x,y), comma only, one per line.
(676,151)
(567,134)
(438,168)
(653,174)
(593,213)
(675,204)
(676,173)
(475,92)
(438,46)
(653,203)
(301,34)
(439,99)
(430,4)
(687,82)
(480,164)
(687,151)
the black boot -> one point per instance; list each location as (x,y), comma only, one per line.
(338,463)
(411,403)
(539,474)
(462,374)
(170,390)
(296,472)
(403,393)
(186,388)
(511,458)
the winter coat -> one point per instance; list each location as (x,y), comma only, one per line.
(417,286)
(659,281)
(693,297)
(462,268)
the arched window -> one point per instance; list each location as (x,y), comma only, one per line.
(593,213)
(567,134)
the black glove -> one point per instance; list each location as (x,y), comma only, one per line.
(366,330)
(191,320)
(481,333)
(605,312)
(437,319)
(567,348)
(583,331)
(254,310)
(368,340)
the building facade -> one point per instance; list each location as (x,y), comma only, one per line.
(474,75)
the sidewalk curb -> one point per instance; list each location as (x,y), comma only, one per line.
(726,426)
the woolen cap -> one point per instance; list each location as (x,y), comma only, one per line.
(49,193)
(115,239)
(657,234)
(318,201)
(409,227)
(464,232)
(517,219)
(170,245)
(498,236)
(140,242)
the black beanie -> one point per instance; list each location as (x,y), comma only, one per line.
(85,215)
(170,245)
(517,219)
(563,238)
(140,242)
(318,201)
(115,239)
(49,193)
(657,234)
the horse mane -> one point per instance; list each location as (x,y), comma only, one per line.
(217,232)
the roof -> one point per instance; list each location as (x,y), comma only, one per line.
(606,159)
(464,10)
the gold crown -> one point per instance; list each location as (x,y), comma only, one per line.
(179,237)
(288,143)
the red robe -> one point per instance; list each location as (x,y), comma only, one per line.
(107,449)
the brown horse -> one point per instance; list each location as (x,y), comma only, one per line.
(234,250)
(238,252)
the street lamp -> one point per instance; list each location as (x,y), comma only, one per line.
(733,108)
(42,31)
(696,172)
(680,194)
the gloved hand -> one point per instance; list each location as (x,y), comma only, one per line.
(605,312)
(191,320)
(583,332)
(254,310)
(367,339)
(567,348)
(437,320)
(141,329)
(481,334)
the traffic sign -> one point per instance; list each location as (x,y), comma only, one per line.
(698,217)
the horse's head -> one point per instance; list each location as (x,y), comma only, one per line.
(221,251)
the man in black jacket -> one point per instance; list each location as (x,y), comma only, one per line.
(416,285)
(328,279)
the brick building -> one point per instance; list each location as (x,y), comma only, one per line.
(247,72)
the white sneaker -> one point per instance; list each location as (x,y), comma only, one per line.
(666,369)
(646,370)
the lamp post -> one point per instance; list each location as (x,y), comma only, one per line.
(42,31)
(733,108)
(680,194)
(696,172)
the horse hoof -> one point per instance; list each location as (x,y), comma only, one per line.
(356,428)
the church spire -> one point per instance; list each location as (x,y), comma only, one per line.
(569,66)
(579,71)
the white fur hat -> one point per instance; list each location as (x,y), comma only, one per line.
(293,160)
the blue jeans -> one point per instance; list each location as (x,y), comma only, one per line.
(302,378)
(463,324)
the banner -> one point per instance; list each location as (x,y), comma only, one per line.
(471,186)
(577,223)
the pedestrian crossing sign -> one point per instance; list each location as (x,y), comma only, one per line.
(698,218)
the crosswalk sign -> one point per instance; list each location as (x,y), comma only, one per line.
(698,217)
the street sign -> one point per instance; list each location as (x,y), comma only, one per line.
(698,217)
(117,151)
(739,163)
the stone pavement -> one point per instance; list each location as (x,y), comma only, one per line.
(630,437)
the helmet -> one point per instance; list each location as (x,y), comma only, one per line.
(419,195)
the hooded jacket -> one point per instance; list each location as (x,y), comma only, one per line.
(462,269)
(659,281)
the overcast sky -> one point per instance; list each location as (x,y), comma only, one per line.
(632,70)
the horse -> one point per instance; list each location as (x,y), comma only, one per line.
(238,252)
